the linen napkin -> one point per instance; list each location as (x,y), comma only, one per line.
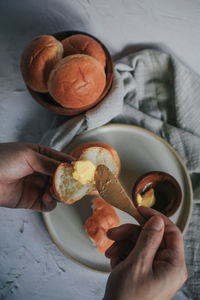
(156,91)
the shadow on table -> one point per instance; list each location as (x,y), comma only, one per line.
(84,208)
(19,24)
(28,19)
(22,22)
(133,48)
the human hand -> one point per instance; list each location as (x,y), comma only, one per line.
(25,175)
(148,263)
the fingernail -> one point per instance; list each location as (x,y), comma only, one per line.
(156,223)
(108,252)
(51,191)
(109,232)
(47,198)
(113,251)
(48,202)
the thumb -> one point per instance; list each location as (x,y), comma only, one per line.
(148,243)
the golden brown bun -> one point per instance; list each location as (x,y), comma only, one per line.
(104,217)
(77,81)
(81,149)
(84,44)
(38,58)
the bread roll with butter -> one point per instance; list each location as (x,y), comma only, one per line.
(104,217)
(90,149)
(73,181)
(38,59)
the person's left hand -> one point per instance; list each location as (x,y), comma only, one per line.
(25,175)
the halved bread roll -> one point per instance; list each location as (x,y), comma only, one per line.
(98,153)
(104,217)
(66,187)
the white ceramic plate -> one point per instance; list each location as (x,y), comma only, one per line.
(140,151)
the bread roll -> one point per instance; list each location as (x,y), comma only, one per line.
(38,58)
(104,217)
(84,44)
(77,81)
(68,189)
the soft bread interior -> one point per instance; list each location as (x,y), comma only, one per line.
(69,189)
(100,156)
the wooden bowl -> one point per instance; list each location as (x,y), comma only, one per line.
(48,102)
(167,191)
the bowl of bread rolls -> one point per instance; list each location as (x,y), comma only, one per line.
(67,72)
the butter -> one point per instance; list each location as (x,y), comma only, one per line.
(147,199)
(84,171)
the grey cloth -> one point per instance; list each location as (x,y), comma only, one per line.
(155,91)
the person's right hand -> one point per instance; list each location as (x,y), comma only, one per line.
(148,263)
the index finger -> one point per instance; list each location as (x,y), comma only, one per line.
(124,232)
(51,153)
(172,235)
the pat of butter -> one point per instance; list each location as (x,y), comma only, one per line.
(84,171)
(147,199)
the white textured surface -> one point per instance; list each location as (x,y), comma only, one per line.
(31,267)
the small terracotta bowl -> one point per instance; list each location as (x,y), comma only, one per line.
(167,191)
(48,102)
